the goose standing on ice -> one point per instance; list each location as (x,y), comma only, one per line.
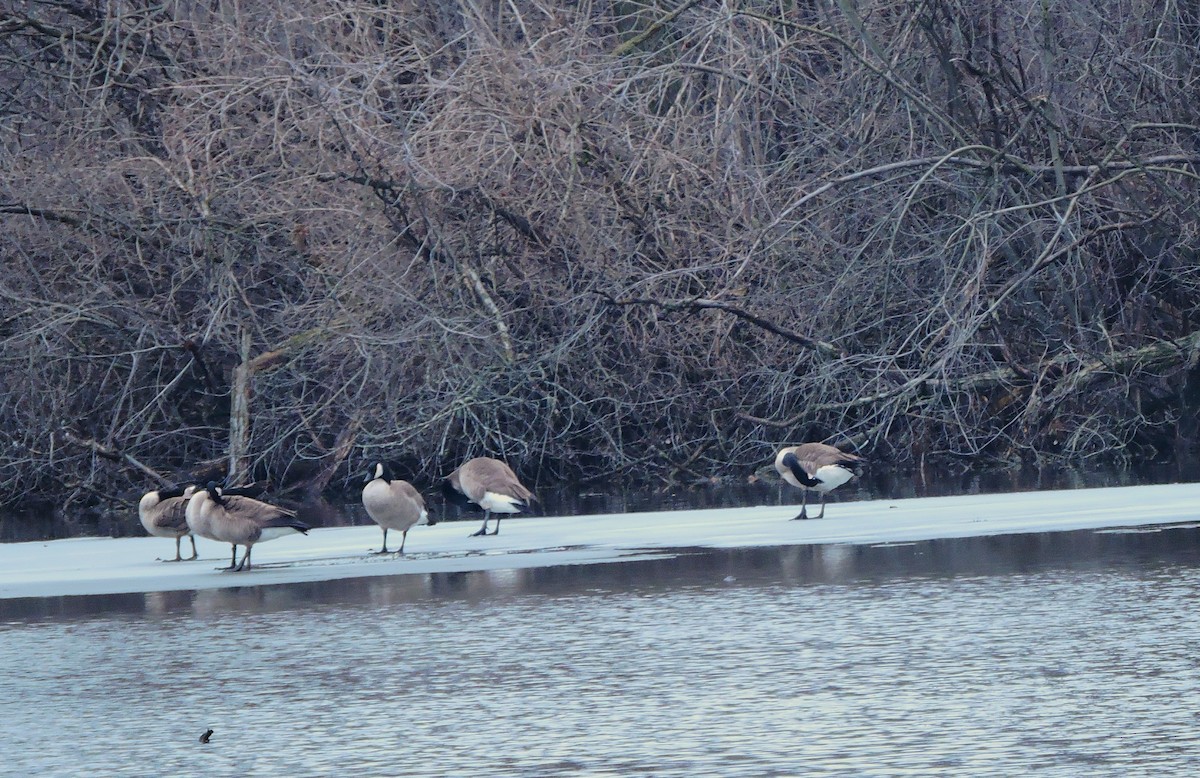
(815,466)
(191,518)
(393,503)
(242,521)
(490,484)
(162,513)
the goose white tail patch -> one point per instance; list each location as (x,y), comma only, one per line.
(832,476)
(500,503)
(270,533)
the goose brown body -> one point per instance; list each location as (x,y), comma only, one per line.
(393,503)
(816,466)
(239,520)
(163,514)
(490,484)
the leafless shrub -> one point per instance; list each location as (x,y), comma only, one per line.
(589,237)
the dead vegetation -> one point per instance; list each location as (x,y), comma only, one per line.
(657,239)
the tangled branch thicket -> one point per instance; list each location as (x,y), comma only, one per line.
(643,237)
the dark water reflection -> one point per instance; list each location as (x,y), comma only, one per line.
(996,555)
(1051,654)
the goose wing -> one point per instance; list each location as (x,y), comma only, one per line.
(262,513)
(480,476)
(403,490)
(173,514)
(814,456)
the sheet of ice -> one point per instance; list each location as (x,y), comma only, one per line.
(108,566)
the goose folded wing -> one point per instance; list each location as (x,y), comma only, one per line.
(261,511)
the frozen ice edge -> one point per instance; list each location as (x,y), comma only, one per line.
(106,566)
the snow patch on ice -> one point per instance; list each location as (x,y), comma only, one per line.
(108,566)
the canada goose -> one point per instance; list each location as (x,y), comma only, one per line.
(392,503)
(162,514)
(242,521)
(815,466)
(245,491)
(490,484)
(188,514)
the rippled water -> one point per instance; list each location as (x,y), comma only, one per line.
(1068,654)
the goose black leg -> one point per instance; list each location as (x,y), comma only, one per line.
(483,530)
(232,561)
(384,549)
(803,506)
(177,558)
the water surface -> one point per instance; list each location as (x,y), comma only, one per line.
(1067,654)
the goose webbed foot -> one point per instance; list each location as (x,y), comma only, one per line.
(804,514)
(233,565)
(178,555)
(244,565)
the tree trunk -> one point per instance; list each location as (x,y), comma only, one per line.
(239,415)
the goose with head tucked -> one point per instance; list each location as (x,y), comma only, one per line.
(816,466)
(162,513)
(239,520)
(393,503)
(489,484)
